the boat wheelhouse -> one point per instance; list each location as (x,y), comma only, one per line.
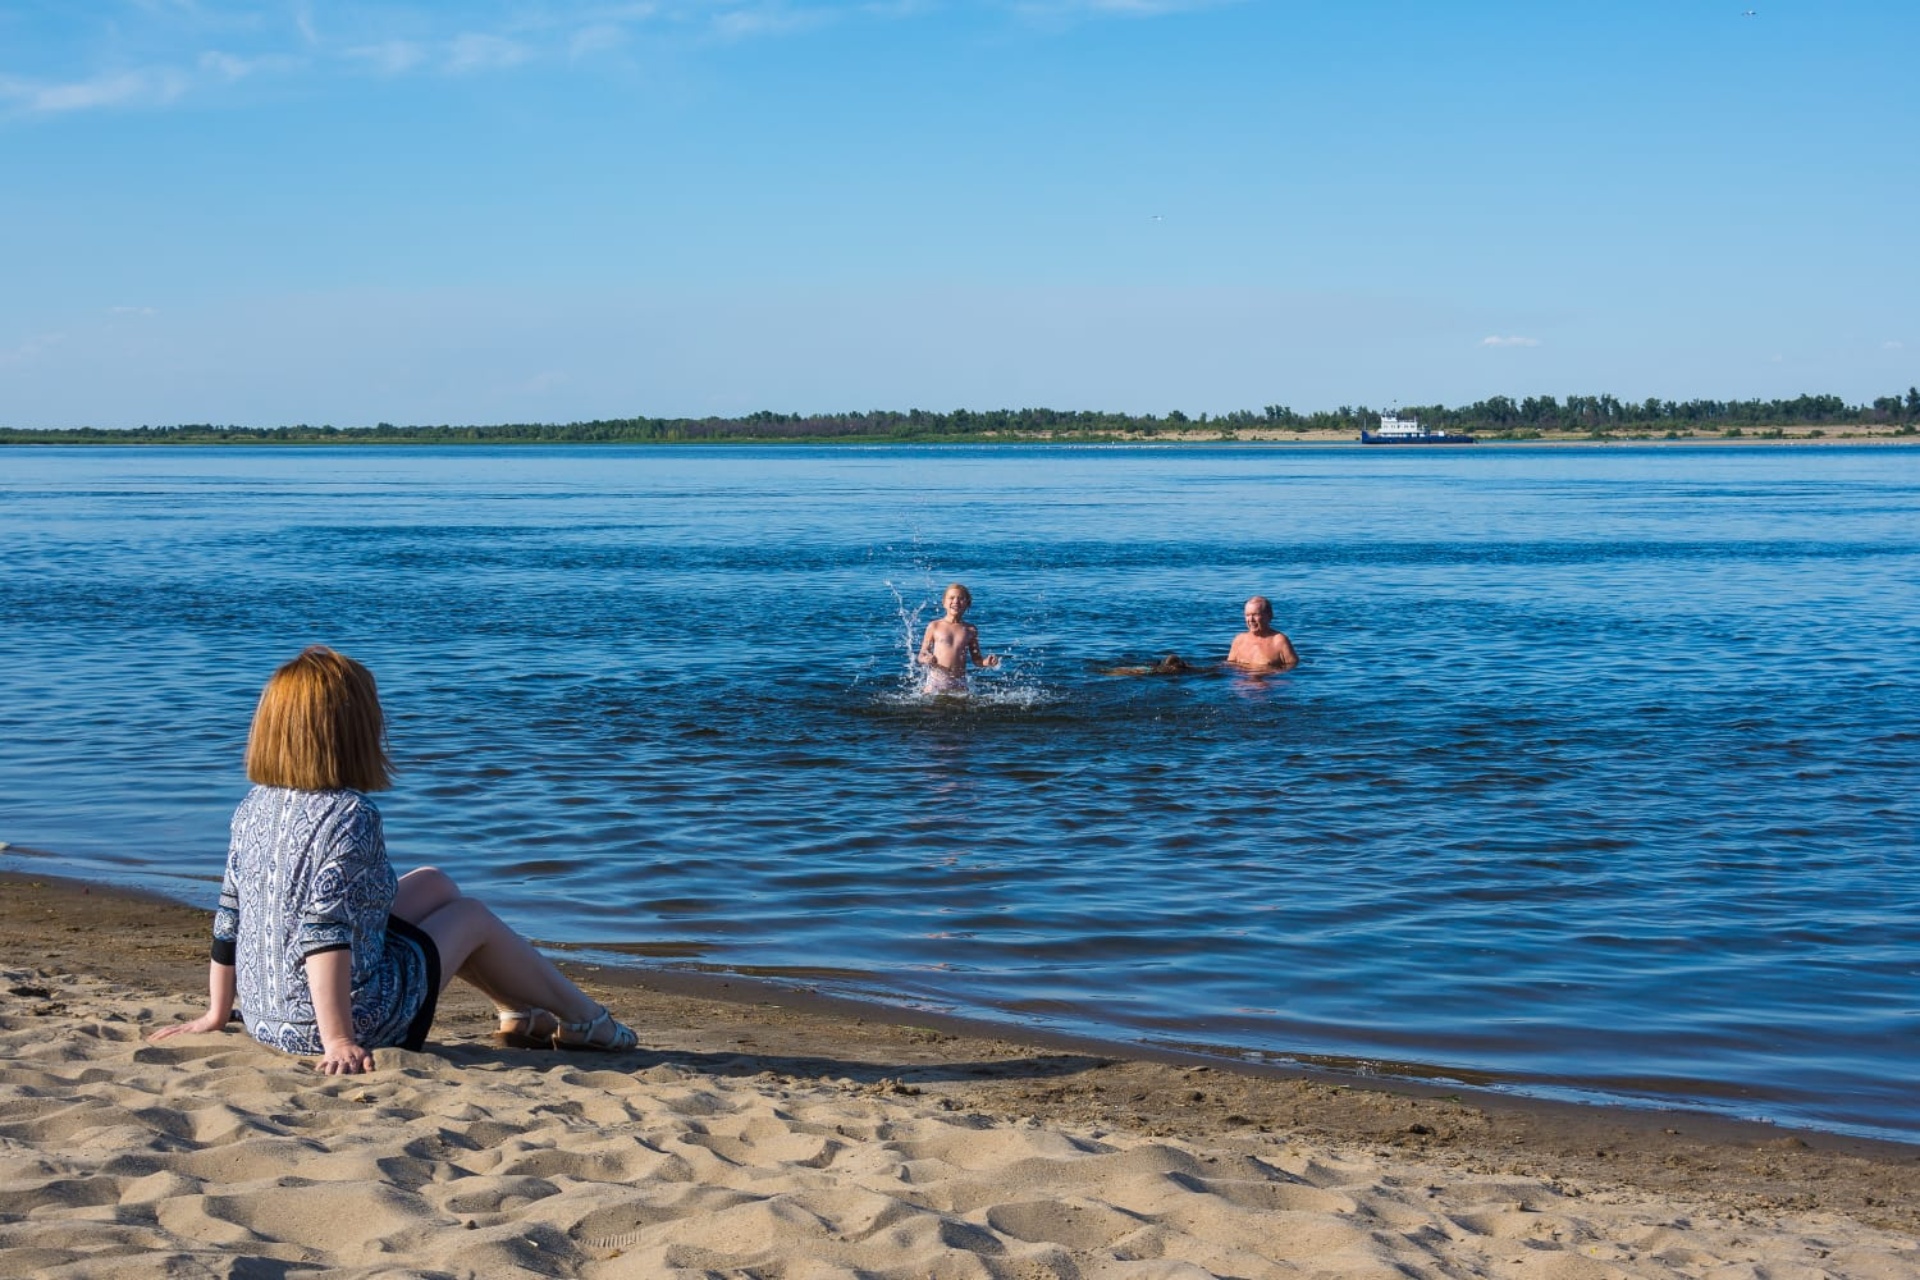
(1396,430)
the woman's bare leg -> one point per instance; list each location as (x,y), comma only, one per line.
(423,891)
(477,945)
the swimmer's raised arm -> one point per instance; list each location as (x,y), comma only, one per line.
(973,648)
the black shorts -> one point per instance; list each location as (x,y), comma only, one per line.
(413,935)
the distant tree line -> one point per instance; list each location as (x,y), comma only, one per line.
(1501,416)
(1607,414)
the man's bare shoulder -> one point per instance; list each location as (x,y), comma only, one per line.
(1262,652)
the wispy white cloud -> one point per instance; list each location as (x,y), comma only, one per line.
(1068,9)
(600,37)
(476,51)
(211,13)
(1893,345)
(637,11)
(389,57)
(158,52)
(1146,8)
(32,349)
(750,21)
(1512,340)
(154,86)
(230,66)
(130,311)
(225,64)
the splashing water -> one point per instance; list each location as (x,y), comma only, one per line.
(911,674)
(1007,685)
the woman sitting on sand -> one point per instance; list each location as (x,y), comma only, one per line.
(328,953)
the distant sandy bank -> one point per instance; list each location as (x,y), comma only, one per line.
(1190,436)
(1750,439)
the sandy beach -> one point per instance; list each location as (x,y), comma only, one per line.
(761,1133)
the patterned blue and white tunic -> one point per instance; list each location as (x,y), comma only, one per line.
(307,872)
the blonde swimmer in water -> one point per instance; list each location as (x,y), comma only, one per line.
(949,642)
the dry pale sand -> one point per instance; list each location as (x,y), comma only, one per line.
(749,1138)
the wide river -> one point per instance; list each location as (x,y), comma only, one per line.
(1597,779)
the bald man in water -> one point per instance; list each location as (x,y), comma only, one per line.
(1260,647)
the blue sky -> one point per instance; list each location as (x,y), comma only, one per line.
(268,213)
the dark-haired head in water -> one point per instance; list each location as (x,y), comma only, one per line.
(1171,665)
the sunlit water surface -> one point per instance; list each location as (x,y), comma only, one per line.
(1597,779)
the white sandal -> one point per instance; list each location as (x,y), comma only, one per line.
(527,1029)
(600,1033)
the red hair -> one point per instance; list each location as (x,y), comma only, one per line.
(318,727)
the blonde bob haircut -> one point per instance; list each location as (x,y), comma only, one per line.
(318,727)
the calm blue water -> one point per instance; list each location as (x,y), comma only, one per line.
(1597,779)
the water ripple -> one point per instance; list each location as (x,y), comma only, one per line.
(1595,781)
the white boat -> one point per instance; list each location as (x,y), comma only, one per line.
(1408,431)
